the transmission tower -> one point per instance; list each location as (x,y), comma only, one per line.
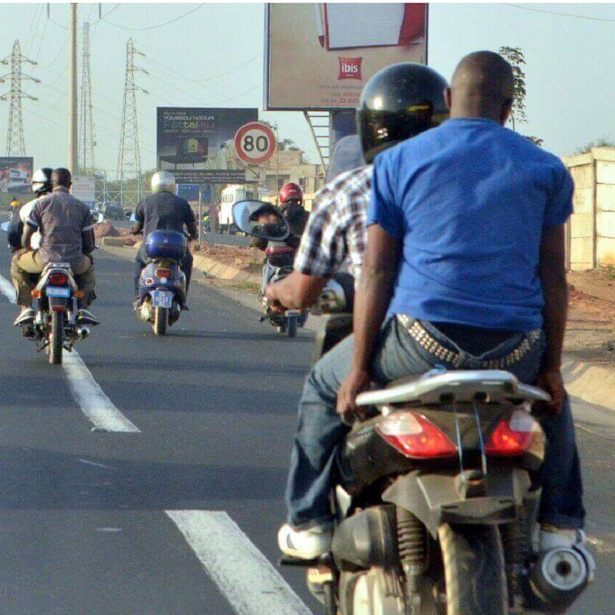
(129,158)
(86,114)
(15,140)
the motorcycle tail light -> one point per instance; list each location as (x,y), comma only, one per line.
(57,279)
(514,435)
(163,273)
(415,437)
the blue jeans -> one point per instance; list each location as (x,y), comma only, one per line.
(320,430)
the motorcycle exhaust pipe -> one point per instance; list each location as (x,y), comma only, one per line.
(559,577)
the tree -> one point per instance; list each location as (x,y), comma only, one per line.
(604,142)
(516,59)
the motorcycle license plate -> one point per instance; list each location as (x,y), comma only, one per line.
(162,299)
(57,291)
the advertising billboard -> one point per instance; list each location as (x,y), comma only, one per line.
(319,56)
(197,144)
(84,189)
(15,175)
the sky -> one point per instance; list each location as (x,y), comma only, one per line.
(212,55)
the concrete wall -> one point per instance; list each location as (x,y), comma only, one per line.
(591,231)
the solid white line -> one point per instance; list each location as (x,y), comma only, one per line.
(85,390)
(91,398)
(241,572)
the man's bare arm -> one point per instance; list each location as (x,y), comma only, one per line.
(296,291)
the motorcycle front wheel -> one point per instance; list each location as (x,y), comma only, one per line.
(161,318)
(474,570)
(56,338)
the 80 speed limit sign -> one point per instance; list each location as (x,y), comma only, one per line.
(255,143)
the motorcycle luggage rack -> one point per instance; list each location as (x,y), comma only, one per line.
(448,387)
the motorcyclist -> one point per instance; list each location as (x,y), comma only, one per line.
(41,185)
(163,210)
(15,203)
(67,236)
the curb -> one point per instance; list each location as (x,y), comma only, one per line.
(591,383)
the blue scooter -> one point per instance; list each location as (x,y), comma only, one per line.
(162,285)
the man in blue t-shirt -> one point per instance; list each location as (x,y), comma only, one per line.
(465,269)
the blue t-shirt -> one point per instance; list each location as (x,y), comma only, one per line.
(471,201)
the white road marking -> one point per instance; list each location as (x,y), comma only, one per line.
(85,390)
(241,572)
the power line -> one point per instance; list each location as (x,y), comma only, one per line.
(160,25)
(557,13)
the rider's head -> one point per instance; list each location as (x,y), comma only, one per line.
(399,102)
(41,181)
(483,86)
(163,181)
(291,194)
(61,177)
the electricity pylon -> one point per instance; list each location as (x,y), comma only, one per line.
(87,139)
(15,139)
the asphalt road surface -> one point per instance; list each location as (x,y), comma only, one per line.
(146,475)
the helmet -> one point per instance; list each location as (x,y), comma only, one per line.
(399,102)
(41,181)
(290,191)
(163,181)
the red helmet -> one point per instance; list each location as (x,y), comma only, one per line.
(290,191)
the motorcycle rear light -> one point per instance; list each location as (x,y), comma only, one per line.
(57,279)
(513,436)
(415,437)
(163,273)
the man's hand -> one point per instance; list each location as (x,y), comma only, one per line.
(553,383)
(357,382)
(272,299)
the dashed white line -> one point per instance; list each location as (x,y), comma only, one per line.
(97,407)
(242,573)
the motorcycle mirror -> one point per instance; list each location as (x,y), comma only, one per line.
(5,226)
(260,219)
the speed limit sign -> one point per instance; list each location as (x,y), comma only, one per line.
(255,143)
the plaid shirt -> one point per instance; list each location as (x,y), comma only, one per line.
(336,234)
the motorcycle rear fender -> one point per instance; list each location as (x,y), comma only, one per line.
(439,497)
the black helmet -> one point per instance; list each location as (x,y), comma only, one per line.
(399,102)
(41,181)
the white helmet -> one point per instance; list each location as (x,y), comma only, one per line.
(163,181)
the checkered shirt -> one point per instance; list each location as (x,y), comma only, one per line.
(336,234)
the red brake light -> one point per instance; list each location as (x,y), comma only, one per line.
(163,273)
(57,279)
(514,435)
(415,437)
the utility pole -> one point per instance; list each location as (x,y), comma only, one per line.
(87,139)
(73,139)
(129,157)
(15,140)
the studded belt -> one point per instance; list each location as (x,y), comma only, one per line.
(418,333)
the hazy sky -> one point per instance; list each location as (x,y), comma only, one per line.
(571,87)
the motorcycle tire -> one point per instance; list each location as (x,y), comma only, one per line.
(291,327)
(474,570)
(56,338)
(161,318)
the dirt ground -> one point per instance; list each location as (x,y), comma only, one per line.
(590,335)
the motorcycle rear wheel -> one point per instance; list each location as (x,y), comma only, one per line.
(161,318)
(474,570)
(56,338)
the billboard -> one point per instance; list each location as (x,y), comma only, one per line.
(15,175)
(197,144)
(84,189)
(319,56)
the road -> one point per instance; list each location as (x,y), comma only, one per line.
(173,510)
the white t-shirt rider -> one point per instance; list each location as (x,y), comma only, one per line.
(24,214)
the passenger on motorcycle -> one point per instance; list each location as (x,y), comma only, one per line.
(163,210)
(66,228)
(465,261)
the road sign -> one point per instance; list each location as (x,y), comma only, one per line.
(255,143)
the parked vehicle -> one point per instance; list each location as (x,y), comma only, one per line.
(230,195)
(55,328)
(279,257)
(162,285)
(113,211)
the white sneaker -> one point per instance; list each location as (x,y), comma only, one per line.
(304,544)
(558,538)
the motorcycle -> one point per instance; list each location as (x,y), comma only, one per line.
(55,328)
(162,284)
(279,257)
(437,497)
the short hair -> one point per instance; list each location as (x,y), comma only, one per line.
(61,177)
